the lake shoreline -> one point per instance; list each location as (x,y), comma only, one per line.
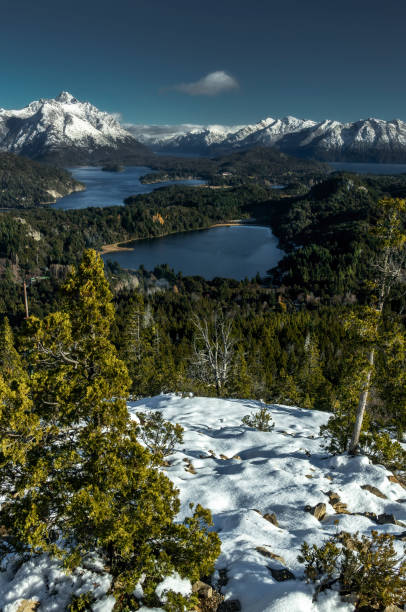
(230,249)
(106,189)
(116,247)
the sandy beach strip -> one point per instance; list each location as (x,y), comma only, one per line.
(115,247)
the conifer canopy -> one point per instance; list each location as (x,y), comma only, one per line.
(74,477)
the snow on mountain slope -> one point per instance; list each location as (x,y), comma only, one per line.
(242,474)
(201,138)
(269,131)
(65,130)
(62,124)
(159,135)
(364,140)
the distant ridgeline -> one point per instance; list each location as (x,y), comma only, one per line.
(26,184)
(367,140)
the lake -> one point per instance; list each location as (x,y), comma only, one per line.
(369,168)
(110,188)
(237,251)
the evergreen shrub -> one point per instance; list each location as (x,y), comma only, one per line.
(159,436)
(74,478)
(367,567)
(260,420)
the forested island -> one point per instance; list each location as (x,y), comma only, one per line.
(259,165)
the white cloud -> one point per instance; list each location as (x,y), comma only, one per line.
(212,84)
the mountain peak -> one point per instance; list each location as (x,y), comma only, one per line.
(66,98)
(66,129)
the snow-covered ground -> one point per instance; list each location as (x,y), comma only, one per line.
(241,474)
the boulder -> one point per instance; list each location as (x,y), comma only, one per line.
(202,589)
(383,519)
(28,605)
(333,497)
(374,491)
(318,511)
(339,506)
(371,515)
(280,575)
(271,518)
(270,555)
(396,480)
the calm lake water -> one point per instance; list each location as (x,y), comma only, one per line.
(229,252)
(369,168)
(110,188)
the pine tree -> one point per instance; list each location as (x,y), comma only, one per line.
(390,379)
(10,362)
(310,375)
(241,382)
(79,481)
(389,270)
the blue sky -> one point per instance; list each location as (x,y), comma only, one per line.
(146,59)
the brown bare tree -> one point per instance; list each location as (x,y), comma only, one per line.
(213,350)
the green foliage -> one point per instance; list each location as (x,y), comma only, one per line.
(381,448)
(367,567)
(241,383)
(261,420)
(390,375)
(378,446)
(10,361)
(325,232)
(175,602)
(321,563)
(74,477)
(25,183)
(159,436)
(81,602)
(259,165)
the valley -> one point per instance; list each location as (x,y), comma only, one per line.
(203,306)
(215,295)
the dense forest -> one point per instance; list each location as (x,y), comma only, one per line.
(26,184)
(325,330)
(259,165)
(289,326)
(325,233)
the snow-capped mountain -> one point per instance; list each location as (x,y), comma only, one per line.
(179,135)
(369,140)
(364,140)
(65,130)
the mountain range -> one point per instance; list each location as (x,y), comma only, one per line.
(65,131)
(368,140)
